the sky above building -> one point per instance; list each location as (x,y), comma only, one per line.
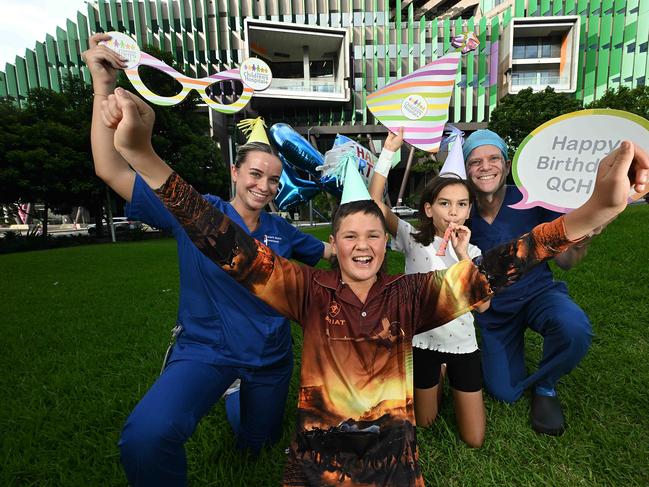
(24,22)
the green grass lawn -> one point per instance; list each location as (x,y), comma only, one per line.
(84,330)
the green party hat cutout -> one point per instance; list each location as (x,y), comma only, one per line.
(354,188)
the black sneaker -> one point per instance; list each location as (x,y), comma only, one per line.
(547,415)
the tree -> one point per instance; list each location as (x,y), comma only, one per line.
(518,115)
(45,154)
(634,100)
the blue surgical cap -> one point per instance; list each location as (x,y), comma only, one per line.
(483,137)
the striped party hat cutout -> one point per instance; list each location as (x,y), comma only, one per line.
(419,101)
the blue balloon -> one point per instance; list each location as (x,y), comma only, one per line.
(296,149)
(298,152)
(292,189)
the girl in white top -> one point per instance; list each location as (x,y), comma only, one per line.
(445,203)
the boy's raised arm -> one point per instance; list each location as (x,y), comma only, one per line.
(454,291)
(110,166)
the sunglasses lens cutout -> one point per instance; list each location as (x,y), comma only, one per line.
(224,91)
(159,82)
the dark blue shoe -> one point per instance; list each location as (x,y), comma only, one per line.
(547,415)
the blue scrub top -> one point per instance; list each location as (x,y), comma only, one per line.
(508,225)
(222,322)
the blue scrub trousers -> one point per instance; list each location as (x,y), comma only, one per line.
(566,332)
(152,444)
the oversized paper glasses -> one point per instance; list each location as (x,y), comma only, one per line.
(254,74)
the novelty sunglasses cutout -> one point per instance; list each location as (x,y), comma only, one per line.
(254,74)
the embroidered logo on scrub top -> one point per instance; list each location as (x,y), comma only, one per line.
(272,239)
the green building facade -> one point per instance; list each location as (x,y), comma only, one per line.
(579,46)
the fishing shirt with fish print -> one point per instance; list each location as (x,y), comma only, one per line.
(355,419)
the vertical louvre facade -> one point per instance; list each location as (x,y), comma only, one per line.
(387,39)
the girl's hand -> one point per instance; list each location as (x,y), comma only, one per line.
(460,236)
(103,64)
(394,141)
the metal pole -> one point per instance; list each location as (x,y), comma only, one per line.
(314,143)
(109,214)
(405,176)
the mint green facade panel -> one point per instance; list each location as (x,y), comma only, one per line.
(64,61)
(641,45)
(208,37)
(32,69)
(594,7)
(114,16)
(183,34)
(375,46)
(148,20)
(82,32)
(21,77)
(137,20)
(52,63)
(124,17)
(628,54)
(493,88)
(199,54)
(470,86)
(612,51)
(172,29)
(103,18)
(607,8)
(399,37)
(162,31)
(422,41)
(581,55)
(482,70)
(3,85)
(12,83)
(592,39)
(41,63)
(411,42)
(617,38)
(603,54)
(519,8)
(570,8)
(73,41)
(457,92)
(386,41)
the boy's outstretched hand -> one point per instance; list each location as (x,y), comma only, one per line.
(623,170)
(132,118)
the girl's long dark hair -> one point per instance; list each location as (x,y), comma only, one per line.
(425,228)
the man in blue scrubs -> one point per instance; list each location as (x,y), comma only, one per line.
(536,302)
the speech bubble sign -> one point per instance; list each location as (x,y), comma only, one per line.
(556,164)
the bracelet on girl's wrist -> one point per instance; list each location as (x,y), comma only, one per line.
(384,163)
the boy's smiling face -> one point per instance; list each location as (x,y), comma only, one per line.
(359,245)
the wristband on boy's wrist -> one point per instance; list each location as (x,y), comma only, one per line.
(384,164)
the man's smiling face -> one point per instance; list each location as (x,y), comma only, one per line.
(487,169)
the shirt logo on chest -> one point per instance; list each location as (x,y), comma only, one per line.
(334,309)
